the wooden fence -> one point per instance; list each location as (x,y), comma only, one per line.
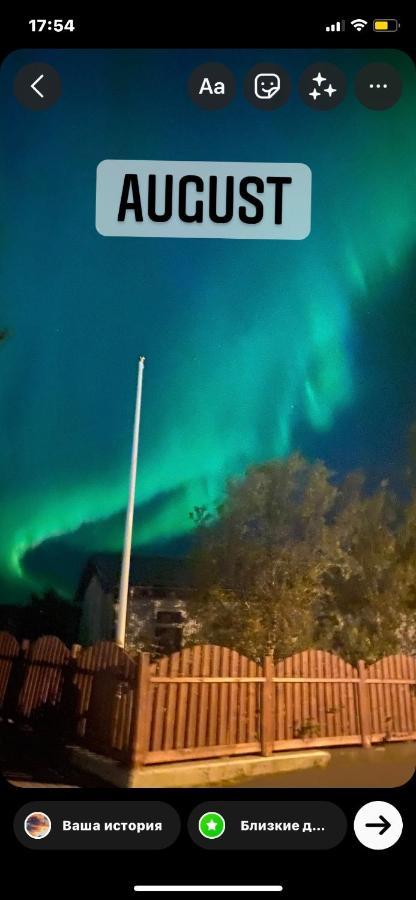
(204,701)
(85,694)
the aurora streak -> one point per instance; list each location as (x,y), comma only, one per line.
(253,348)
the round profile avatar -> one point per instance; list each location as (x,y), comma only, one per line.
(37,825)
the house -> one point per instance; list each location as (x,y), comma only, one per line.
(157,618)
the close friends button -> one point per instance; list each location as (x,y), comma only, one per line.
(274,825)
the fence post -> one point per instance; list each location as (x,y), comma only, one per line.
(364,705)
(20,681)
(69,697)
(267,707)
(14,683)
(140,714)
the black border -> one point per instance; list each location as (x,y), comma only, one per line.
(349,868)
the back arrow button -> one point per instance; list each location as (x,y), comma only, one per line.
(34,88)
(37,86)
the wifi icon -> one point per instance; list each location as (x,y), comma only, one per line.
(359,24)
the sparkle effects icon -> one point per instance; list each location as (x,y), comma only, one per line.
(319,78)
(323,86)
(211,825)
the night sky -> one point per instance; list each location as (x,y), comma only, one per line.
(253,349)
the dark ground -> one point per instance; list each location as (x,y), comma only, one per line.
(30,760)
(387,765)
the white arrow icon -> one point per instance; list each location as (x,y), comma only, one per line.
(34,88)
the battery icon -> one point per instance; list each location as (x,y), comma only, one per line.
(385,25)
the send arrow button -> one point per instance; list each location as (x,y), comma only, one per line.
(37,86)
(378,825)
(383,824)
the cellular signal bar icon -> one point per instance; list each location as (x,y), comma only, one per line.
(336,26)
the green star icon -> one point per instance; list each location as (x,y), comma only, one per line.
(211,825)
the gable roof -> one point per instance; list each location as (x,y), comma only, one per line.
(145,571)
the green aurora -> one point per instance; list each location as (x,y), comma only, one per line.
(252,348)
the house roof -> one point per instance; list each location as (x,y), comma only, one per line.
(145,571)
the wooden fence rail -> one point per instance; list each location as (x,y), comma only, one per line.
(204,701)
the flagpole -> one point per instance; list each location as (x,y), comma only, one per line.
(128,531)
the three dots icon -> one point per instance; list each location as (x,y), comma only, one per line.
(378,86)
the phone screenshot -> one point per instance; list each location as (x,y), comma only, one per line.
(208,457)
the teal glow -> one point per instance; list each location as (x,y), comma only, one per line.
(250,349)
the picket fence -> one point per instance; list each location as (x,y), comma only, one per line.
(203,701)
